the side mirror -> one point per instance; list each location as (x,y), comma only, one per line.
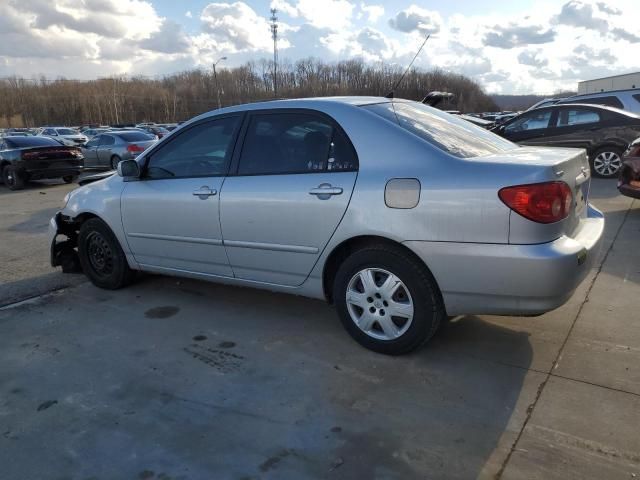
(128,169)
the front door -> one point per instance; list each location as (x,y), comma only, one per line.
(530,128)
(171,215)
(290,189)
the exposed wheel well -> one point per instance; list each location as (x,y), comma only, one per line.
(612,146)
(346,248)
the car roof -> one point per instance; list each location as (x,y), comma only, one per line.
(310,102)
(610,93)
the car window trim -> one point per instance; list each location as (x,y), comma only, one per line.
(233,145)
(235,162)
(552,117)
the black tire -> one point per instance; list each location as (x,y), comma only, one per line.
(428,307)
(101,256)
(115,160)
(12,178)
(611,173)
(68,178)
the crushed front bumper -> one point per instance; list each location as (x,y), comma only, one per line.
(63,253)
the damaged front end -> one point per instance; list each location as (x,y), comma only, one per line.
(629,179)
(64,252)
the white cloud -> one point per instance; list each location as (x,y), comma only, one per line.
(333,15)
(188,14)
(372,12)
(236,26)
(415,18)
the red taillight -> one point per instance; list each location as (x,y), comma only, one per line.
(134,148)
(30,155)
(541,202)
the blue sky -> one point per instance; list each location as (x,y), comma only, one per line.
(517,46)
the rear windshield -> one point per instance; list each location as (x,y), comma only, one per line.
(135,137)
(21,142)
(447,132)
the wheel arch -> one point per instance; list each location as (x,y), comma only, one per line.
(353,244)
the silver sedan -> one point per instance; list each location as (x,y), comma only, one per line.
(397,213)
(105,150)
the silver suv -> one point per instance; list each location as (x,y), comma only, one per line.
(624,99)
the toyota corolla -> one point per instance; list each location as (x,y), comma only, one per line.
(397,213)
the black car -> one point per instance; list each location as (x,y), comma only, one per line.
(36,158)
(605,132)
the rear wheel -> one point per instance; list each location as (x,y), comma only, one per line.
(12,178)
(606,162)
(115,160)
(387,301)
(101,256)
(68,178)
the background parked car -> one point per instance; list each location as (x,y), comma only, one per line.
(604,132)
(34,158)
(623,99)
(105,151)
(156,130)
(629,180)
(64,135)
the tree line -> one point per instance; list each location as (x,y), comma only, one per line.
(172,98)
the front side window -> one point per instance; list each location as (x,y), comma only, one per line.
(529,121)
(201,151)
(287,143)
(446,132)
(66,131)
(576,116)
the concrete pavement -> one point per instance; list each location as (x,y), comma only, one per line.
(176,378)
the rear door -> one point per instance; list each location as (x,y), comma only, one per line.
(291,186)
(90,152)
(575,127)
(104,151)
(530,128)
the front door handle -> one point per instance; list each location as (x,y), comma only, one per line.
(204,192)
(325,190)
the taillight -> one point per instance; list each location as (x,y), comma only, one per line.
(134,148)
(30,155)
(541,202)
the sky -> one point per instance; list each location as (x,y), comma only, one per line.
(507,46)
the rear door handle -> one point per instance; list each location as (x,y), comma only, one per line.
(325,190)
(204,192)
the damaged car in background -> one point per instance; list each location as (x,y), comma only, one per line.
(395,212)
(629,179)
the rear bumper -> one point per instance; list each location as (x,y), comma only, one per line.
(38,174)
(512,279)
(629,191)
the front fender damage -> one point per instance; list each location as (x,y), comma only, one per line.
(64,252)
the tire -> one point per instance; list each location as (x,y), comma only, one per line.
(606,162)
(12,178)
(68,178)
(115,160)
(101,256)
(417,288)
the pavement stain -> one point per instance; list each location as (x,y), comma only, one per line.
(223,362)
(162,312)
(46,405)
(272,462)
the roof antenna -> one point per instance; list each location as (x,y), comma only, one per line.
(390,94)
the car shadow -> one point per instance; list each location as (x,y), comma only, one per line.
(275,385)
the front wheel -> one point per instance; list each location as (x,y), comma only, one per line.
(606,162)
(101,256)
(12,178)
(387,300)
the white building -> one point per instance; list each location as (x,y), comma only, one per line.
(617,82)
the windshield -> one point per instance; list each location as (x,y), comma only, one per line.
(21,142)
(136,137)
(447,132)
(66,131)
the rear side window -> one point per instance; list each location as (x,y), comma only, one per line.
(568,117)
(636,96)
(609,101)
(285,143)
(446,132)
(107,140)
(201,151)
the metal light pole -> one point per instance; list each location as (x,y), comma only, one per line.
(274,35)
(215,77)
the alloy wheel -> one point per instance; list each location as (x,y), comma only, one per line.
(379,304)
(607,164)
